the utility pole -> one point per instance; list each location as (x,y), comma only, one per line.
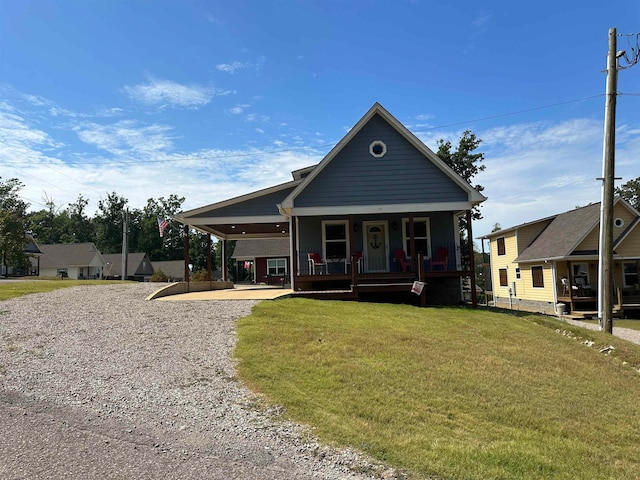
(605,252)
(125,245)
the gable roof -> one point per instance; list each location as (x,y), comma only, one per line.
(171,268)
(268,247)
(563,234)
(69,255)
(237,217)
(473,196)
(567,230)
(135,266)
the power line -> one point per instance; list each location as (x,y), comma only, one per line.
(314,147)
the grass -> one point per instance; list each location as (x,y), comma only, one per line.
(25,287)
(450,393)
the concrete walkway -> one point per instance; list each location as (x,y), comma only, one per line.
(240,292)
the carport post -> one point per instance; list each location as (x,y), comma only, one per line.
(186,255)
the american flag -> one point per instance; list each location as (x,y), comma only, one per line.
(162,225)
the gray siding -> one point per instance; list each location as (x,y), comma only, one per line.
(263,205)
(403,175)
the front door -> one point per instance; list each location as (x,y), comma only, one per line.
(376,250)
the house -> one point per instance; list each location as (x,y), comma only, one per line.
(173,269)
(536,265)
(72,260)
(379,212)
(263,260)
(139,266)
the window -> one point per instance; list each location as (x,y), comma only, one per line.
(501,247)
(630,270)
(377,149)
(537,274)
(503,278)
(277,266)
(580,274)
(517,273)
(420,234)
(335,240)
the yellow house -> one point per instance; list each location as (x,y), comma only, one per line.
(538,265)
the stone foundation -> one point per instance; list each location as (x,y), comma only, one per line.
(534,306)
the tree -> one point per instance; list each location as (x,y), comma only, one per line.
(79,227)
(13,225)
(467,164)
(464,162)
(630,191)
(108,223)
(171,245)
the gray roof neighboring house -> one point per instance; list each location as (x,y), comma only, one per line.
(174,269)
(70,255)
(563,234)
(254,248)
(138,265)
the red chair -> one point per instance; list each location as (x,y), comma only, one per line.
(441,258)
(315,260)
(401,260)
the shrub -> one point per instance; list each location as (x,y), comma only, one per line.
(200,276)
(159,276)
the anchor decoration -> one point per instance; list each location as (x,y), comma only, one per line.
(375,244)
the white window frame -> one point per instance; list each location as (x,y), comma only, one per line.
(518,273)
(277,262)
(405,238)
(324,236)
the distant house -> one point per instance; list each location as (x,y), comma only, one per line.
(173,269)
(554,260)
(263,260)
(71,260)
(139,266)
(378,213)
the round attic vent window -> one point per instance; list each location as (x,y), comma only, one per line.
(618,222)
(377,149)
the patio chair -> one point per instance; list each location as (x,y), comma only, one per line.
(401,260)
(315,260)
(357,256)
(441,258)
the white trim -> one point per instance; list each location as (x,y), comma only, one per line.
(405,221)
(232,201)
(346,234)
(373,144)
(624,276)
(473,195)
(373,209)
(234,220)
(387,252)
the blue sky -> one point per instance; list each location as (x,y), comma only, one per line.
(212,99)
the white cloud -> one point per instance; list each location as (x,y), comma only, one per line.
(232,67)
(238,109)
(163,93)
(127,138)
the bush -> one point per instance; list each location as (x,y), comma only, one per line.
(159,276)
(200,276)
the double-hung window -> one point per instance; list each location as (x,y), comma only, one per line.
(335,239)
(537,275)
(630,270)
(420,234)
(277,266)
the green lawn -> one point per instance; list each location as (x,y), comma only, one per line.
(450,393)
(25,287)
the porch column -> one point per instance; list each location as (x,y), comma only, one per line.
(223,260)
(186,255)
(293,229)
(209,277)
(412,243)
(472,261)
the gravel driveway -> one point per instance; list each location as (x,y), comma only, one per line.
(96,382)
